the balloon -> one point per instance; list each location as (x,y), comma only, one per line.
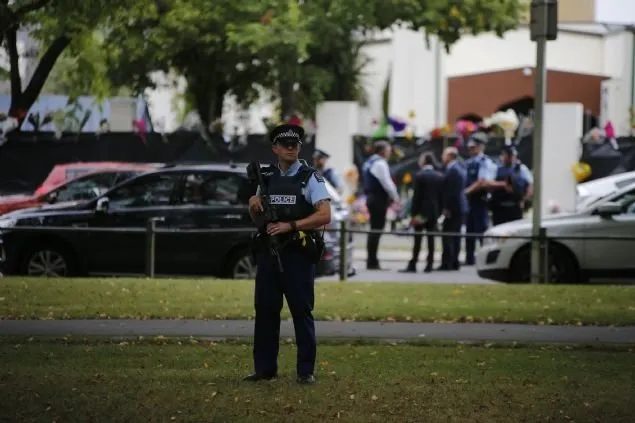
(581,171)
(396,124)
(382,131)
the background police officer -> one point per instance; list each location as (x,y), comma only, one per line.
(480,169)
(512,187)
(380,191)
(320,157)
(299,195)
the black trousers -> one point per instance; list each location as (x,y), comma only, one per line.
(377,209)
(296,283)
(451,244)
(429,226)
(503,214)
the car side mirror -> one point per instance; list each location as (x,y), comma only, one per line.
(608,210)
(102,205)
(51,198)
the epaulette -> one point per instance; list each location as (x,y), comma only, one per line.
(305,172)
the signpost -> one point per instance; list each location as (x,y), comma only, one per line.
(543,28)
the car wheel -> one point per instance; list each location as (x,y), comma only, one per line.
(48,260)
(242,266)
(563,267)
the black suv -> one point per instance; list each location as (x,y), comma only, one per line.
(188,200)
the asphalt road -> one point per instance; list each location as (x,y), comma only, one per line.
(218,329)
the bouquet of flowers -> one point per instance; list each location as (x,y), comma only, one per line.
(441,132)
(506,122)
(464,128)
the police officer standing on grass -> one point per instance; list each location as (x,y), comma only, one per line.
(512,187)
(299,195)
(480,169)
(320,157)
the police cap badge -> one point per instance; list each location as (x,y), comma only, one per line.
(287,134)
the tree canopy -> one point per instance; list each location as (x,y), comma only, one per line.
(302,52)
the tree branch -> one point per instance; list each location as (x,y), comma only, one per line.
(43,70)
(20,12)
(14,62)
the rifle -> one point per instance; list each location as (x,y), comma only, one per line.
(268,215)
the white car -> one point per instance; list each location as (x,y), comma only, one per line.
(592,191)
(505,259)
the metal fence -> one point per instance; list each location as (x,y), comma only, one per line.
(151,231)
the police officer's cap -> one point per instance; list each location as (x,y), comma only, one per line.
(287,134)
(510,149)
(478,138)
(320,154)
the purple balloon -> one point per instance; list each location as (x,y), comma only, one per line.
(397,125)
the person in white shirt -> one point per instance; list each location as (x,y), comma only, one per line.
(380,191)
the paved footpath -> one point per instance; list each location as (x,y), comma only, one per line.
(347,330)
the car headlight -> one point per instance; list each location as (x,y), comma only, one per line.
(7,223)
(498,238)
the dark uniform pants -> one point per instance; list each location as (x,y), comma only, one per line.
(504,214)
(429,226)
(377,208)
(296,283)
(476,223)
(451,244)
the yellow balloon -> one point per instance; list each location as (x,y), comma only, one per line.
(581,171)
(407,178)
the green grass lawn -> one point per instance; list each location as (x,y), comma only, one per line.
(100,381)
(22,298)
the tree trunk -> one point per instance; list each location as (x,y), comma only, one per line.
(22,101)
(286,100)
(208,99)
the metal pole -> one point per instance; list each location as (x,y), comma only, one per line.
(151,225)
(540,98)
(546,269)
(437,85)
(343,251)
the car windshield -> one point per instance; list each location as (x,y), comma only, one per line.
(591,202)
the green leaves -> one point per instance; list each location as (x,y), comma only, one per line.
(225,46)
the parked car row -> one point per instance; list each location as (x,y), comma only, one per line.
(189,200)
(75,182)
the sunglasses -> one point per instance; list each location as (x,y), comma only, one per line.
(288,143)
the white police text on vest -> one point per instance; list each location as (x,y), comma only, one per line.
(282,199)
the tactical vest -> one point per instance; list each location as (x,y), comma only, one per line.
(328,175)
(503,198)
(473,167)
(286,193)
(372,186)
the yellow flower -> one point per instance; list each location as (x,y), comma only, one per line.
(412,114)
(454,12)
